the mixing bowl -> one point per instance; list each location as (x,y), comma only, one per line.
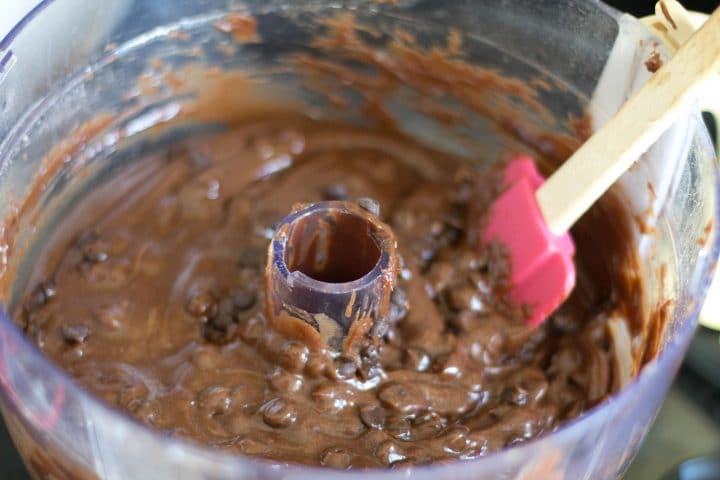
(85,86)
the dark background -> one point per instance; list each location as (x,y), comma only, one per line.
(640,8)
(11,467)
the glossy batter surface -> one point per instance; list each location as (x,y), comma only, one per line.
(156,306)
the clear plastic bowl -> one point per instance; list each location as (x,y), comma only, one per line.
(69,60)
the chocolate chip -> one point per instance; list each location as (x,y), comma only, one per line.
(264,147)
(536,388)
(220,329)
(464,321)
(36,334)
(144,410)
(216,335)
(334,397)
(515,395)
(293,141)
(284,382)
(373,416)
(399,396)
(416,359)
(370,353)
(426,249)
(223,317)
(372,371)
(95,253)
(243,299)
(399,296)
(388,452)
(470,260)
(393,335)
(214,401)
(278,413)
(436,228)
(452,235)
(398,427)
(111,317)
(226,306)
(456,440)
(347,370)
(369,204)
(397,313)
(200,305)
(440,276)
(335,457)
(75,334)
(293,356)
(40,295)
(230,310)
(252,329)
(380,327)
(481,282)
(465,297)
(456,217)
(398,305)
(427,426)
(335,191)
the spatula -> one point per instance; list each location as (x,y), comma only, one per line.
(533,216)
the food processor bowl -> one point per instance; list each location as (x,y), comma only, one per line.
(83,84)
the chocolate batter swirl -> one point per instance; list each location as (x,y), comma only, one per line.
(156,307)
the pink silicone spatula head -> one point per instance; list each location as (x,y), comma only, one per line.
(532,218)
(541,262)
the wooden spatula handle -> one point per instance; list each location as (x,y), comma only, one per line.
(600,161)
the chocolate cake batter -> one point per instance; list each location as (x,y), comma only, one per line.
(156,306)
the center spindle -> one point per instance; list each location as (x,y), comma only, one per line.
(330,273)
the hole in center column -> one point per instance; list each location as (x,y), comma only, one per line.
(332,246)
